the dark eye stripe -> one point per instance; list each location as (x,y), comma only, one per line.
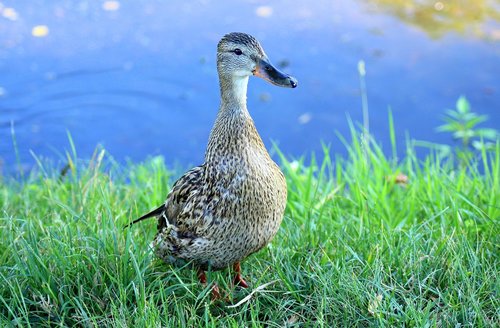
(238,51)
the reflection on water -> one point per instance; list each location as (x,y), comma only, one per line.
(437,18)
(140,77)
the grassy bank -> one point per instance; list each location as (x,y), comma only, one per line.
(367,240)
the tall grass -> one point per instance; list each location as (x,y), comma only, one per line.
(360,245)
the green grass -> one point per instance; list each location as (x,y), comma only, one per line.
(355,248)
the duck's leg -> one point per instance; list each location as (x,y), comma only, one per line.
(238,280)
(202,277)
(216,292)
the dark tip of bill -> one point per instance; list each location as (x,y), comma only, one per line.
(293,83)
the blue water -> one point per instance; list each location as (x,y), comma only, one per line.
(139,77)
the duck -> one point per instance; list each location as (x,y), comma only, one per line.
(232,205)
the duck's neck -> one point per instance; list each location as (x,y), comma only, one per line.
(233,90)
(233,129)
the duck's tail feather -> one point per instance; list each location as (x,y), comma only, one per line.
(153,213)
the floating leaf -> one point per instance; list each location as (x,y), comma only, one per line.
(463,105)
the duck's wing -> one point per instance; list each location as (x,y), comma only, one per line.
(187,185)
(183,191)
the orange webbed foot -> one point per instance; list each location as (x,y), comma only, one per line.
(238,280)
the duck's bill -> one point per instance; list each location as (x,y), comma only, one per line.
(271,74)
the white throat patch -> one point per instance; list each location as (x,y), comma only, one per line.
(240,84)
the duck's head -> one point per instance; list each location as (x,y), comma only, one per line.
(240,55)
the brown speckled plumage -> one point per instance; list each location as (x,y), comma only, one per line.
(222,211)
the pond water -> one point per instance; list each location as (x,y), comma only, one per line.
(139,77)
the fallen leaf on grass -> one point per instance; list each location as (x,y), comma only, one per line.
(399,179)
(374,304)
(249,296)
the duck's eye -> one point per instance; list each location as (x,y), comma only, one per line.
(238,52)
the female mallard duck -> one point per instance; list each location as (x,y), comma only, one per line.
(220,212)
